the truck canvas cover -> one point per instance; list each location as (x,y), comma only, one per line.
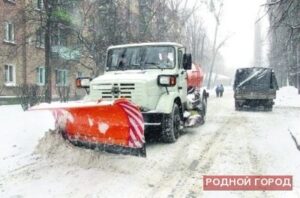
(256,78)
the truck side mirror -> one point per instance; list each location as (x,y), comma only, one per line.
(83,82)
(187,61)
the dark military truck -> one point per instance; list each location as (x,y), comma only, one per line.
(255,88)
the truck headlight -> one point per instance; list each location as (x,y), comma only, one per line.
(166,80)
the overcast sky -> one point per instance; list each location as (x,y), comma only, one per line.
(238,20)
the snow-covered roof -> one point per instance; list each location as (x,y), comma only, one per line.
(147,44)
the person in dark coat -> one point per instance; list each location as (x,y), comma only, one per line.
(219,90)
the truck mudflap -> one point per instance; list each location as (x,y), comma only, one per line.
(116,127)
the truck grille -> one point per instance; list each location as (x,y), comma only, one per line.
(115,90)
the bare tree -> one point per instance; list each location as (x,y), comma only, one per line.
(99,24)
(284,52)
(29,95)
(63,93)
(195,38)
(1,89)
(217,14)
(216,8)
(180,13)
(48,68)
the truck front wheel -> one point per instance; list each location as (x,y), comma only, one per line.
(171,126)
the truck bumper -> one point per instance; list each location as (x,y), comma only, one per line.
(153,121)
(268,95)
(255,97)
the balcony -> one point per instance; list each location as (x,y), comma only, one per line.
(65,52)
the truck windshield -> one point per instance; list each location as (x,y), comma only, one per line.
(149,57)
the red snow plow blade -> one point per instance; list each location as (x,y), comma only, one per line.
(116,127)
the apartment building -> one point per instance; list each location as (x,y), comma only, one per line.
(22,54)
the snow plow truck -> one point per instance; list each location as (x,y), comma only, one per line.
(145,87)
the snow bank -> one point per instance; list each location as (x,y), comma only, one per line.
(51,143)
(55,148)
(287,97)
(20,132)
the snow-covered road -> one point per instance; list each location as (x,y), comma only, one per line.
(230,143)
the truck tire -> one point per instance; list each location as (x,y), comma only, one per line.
(269,108)
(171,126)
(269,105)
(238,107)
(204,105)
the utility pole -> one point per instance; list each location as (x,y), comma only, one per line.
(202,48)
(217,15)
(257,45)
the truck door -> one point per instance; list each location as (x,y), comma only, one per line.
(182,76)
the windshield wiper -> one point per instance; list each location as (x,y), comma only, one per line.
(136,66)
(154,64)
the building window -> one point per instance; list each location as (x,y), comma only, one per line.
(40,38)
(58,38)
(61,77)
(79,74)
(55,38)
(9,30)
(9,75)
(40,75)
(40,4)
